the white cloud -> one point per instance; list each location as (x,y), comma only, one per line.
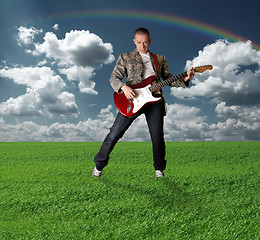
(44,93)
(242,122)
(55,26)
(24,105)
(26,35)
(42,63)
(78,55)
(234,78)
(89,130)
(184,123)
(83,76)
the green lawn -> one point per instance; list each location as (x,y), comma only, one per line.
(211,191)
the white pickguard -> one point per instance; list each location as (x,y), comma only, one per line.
(143,96)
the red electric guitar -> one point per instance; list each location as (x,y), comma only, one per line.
(145,92)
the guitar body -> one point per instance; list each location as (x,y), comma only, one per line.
(143,97)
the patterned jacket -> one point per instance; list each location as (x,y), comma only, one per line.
(131,65)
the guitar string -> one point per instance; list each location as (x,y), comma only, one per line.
(159,85)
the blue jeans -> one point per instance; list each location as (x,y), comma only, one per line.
(154,114)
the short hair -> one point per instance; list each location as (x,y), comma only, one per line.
(142,31)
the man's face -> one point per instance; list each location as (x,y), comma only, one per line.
(142,42)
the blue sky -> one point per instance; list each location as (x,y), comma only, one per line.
(55,66)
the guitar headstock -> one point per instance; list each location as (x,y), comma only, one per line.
(201,69)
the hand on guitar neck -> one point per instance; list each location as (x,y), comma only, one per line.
(190,74)
(128,91)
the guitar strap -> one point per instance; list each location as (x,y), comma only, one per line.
(155,62)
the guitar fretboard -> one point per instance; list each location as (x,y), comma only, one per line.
(166,82)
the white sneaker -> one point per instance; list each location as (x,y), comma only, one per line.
(96,173)
(159,173)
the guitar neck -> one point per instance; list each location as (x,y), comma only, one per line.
(166,82)
(172,79)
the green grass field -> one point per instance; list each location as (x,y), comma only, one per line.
(211,191)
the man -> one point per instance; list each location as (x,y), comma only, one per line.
(137,66)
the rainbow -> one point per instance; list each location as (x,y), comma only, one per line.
(166,19)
